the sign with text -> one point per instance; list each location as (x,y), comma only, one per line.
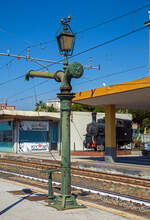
(34,126)
(33,147)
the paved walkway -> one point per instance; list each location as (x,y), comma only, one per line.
(19,207)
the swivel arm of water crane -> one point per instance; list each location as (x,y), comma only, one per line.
(73,70)
(43,74)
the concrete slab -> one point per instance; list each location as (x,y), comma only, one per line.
(18,207)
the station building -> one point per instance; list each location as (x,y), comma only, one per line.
(28,131)
(31,131)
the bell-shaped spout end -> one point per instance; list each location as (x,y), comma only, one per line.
(27,76)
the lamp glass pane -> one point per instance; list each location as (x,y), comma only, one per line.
(65,42)
(68,42)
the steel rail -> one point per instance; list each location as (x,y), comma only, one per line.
(102,192)
(86,173)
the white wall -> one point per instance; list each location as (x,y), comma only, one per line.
(54,103)
(79,121)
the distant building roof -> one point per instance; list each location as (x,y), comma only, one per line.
(5,106)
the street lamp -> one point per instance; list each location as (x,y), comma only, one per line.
(66,38)
(74,70)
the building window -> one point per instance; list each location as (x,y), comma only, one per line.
(6,136)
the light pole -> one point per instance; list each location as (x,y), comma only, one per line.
(147,24)
(65,42)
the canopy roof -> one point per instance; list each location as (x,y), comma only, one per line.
(131,95)
(28,115)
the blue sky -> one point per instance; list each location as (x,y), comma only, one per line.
(28,22)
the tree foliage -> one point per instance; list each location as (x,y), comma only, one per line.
(141,117)
(42,107)
(86,108)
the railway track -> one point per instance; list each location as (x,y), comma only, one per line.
(114,178)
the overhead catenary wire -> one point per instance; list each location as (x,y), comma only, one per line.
(10,80)
(87,81)
(100,45)
(93,79)
(116,73)
(113,19)
(49,91)
(108,42)
(42,132)
(15,35)
(24,90)
(12,60)
(32,96)
(81,31)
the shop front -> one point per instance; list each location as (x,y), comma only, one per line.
(28,131)
(34,136)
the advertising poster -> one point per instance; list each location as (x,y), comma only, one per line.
(33,147)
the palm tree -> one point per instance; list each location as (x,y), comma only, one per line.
(41,106)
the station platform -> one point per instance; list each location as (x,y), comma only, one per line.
(21,203)
(134,165)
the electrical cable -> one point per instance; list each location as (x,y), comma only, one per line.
(113,19)
(43,43)
(10,80)
(6,64)
(42,132)
(103,23)
(99,45)
(16,36)
(102,44)
(22,91)
(109,41)
(97,25)
(43,93)
(81,31)
(116,73)
(89,28)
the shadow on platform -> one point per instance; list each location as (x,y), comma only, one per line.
(16,203)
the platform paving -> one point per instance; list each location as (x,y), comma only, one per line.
(19,207)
